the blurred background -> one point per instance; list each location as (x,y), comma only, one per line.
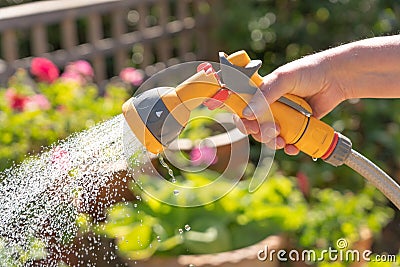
(126,41)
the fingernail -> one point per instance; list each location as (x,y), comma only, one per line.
(291,150)
(280,143)
(271,132)
(247,112)
(253,130)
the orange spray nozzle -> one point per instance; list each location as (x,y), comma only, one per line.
(157,116)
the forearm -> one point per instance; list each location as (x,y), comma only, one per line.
(367,69)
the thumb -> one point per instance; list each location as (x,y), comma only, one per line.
(272,88)
(276,85)
(321,105)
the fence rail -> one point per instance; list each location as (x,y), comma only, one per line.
(104,32)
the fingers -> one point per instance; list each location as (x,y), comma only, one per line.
(257,108)
(246,126)
(291,150)
(267,133)
(277,143)
(276,85)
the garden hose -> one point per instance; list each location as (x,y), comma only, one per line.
(157,117)
(375,176)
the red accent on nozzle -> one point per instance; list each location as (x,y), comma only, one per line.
(332,146)
(217,100)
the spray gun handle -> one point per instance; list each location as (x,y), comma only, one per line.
(293,115)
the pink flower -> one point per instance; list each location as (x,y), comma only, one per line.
(303,183)
(44,70)
(38,102)
(73,77)
(81,67)
(131,75)
(203,155)
(15,101)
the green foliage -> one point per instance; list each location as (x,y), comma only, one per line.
(198,126)
(240,219)
(73,107)
(150,226)
(35,249)
(279,31)
(334,215)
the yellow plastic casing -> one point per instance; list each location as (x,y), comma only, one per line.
(197,89)
(308,134)
(140,129)
(187,96)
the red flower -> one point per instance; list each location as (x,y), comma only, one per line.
(203,155)
(21,103)
(16,102)
(131,75)
(44,69)
(303,183)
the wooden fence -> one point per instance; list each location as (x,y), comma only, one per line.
(150,33)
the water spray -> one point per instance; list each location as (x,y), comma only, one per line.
(158,116)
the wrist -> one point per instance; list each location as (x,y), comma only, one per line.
(366,69)
(338,69)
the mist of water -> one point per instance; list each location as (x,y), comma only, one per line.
(41,197)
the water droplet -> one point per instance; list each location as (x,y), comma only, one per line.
(314,159)
(35,197)
(180,231)
(192,265)
(158,238)
(165,165)
(135,205)
(187,227)
(176,192)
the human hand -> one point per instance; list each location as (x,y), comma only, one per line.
(364,69)
(310,78)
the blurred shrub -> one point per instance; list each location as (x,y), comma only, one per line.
(279,31)
(333,215)
(149,226)
(36,114)
(22,256)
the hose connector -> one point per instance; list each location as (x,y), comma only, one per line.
(340,152)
